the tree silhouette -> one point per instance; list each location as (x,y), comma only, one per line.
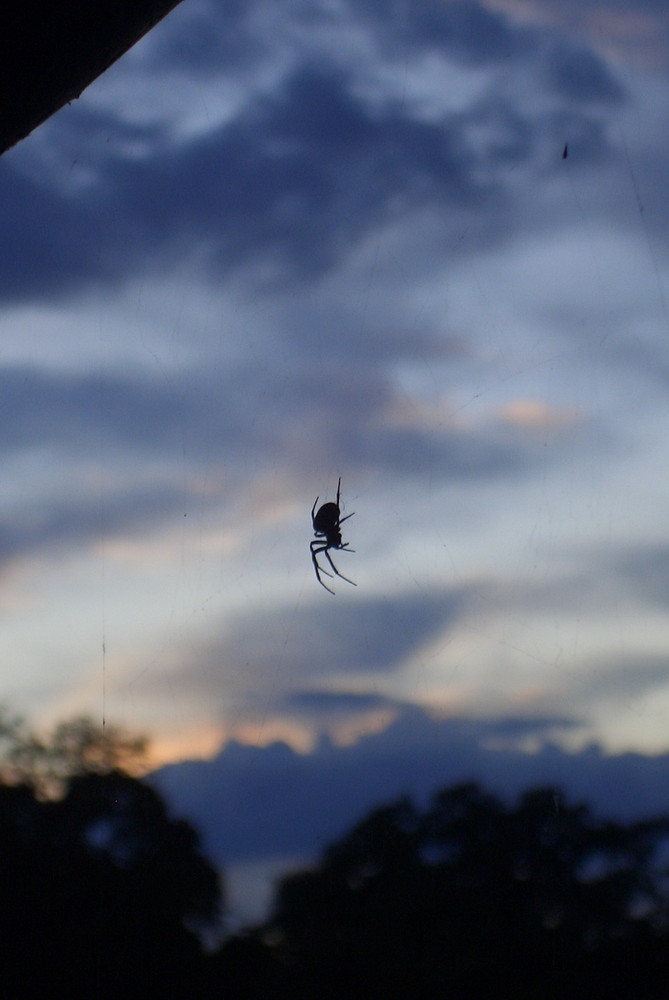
(77,746)
(102,893)
(473,899)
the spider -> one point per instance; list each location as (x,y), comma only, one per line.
(327,525)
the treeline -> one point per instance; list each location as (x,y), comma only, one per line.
(104,894)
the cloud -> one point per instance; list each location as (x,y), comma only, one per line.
(207,38)
(620,576)
(537,415)
(293,181)
(461,453)
(84,410)
(619,680)
(636,32)
(468,32)
(365,636)
(581,76)
(48,527)
(327,702)
(254,802)
(206,418)
(50,250)
(646,568)
(297,175)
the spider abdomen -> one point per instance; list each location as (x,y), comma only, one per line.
(326,517)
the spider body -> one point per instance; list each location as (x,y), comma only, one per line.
(327,524)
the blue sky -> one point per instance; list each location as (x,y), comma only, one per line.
(282,243)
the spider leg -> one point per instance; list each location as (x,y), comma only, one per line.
(316,547)
(317,565)
(342,519)
(327,556)
(319,569)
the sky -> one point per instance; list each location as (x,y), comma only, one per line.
(418,247)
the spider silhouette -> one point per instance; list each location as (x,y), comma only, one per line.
(327,528)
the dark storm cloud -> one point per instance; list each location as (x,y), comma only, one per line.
(330,702)
(580,76)
(620,680)
(294,180)
(636,575)
(208,37)
(466,31)
(387,340)
(59,237)
(46,408)
(640,30)
(366,635)
(472,34)
(49,527)
(254,802)
(514,728)
(465,454)
(361,434)
(646,569)
(217,35)
(297,177)
(46,245)
(192,411)
(590,8)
